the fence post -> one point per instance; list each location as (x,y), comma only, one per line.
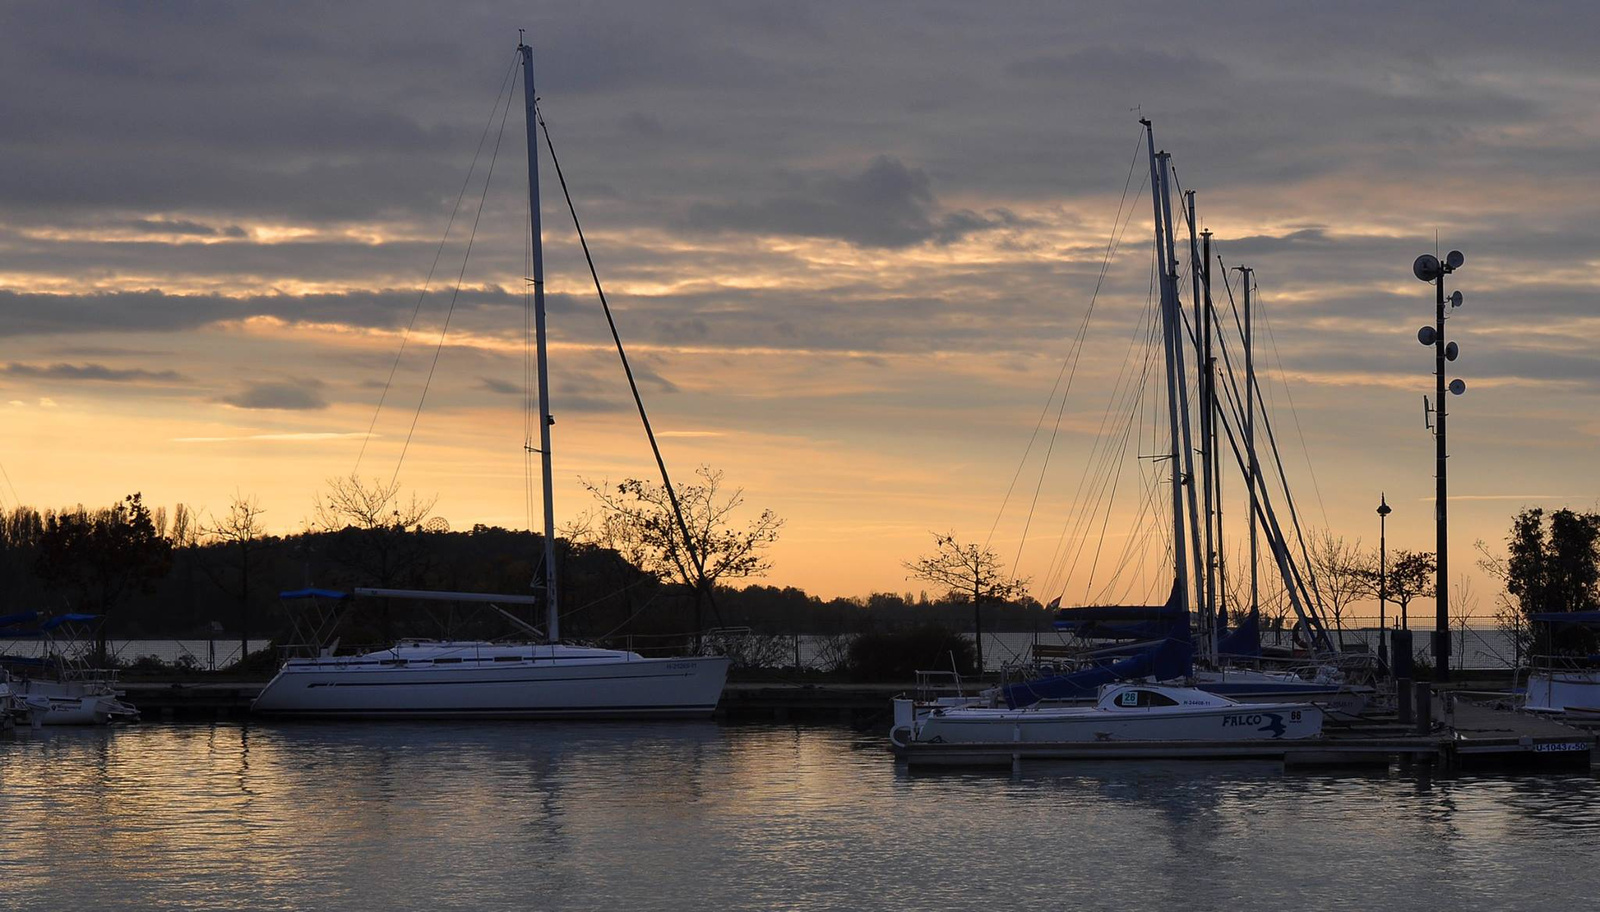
(1424,707)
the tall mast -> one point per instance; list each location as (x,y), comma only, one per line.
(1204,578)
(1169,315)
(1252,469)
(1216,580)
(535,233)
(1183,449)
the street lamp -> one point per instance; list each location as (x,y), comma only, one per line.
(1429,268)
(1383,589)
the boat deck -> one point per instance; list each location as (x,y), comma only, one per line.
(1468,735)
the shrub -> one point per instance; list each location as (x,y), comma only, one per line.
(900,655)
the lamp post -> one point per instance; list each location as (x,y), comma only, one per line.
(1383,588)
(1431,269)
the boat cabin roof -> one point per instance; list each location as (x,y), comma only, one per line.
(1152,696)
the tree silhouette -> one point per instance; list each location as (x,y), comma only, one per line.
(966,570)
(1341,575)
(1409,576)
(241,531)
(104,556)
(638,516)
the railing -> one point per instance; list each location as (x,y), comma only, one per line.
(187,653)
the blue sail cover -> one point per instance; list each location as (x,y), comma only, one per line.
(1163,660)
(313,593)
(1171,655)
(1243,641)
(1118,622)
(60,619)
(17,626)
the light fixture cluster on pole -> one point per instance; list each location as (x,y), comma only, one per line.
(1428,268)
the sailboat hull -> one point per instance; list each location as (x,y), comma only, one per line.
(628,688)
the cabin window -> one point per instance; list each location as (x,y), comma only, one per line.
(508,658)
(1142,698)
(451,661)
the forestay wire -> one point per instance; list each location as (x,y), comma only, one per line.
(1068,371)
(437,254)
(638,400)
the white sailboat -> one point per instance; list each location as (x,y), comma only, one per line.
(1035,710)
(1124,712)
(452,679)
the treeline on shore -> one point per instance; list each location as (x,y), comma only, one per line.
(153,573)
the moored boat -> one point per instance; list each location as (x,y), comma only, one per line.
(1564,680)
(1124,712)
(550,679)
(445,679)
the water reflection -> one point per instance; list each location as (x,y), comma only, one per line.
(663,816)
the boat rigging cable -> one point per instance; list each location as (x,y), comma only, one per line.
(1106,461)
(1283,376)
(437,254)
(1074,355)
(1300,595)
(1283,481)
(455,294)
(677,510)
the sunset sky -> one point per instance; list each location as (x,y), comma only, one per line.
(849,245)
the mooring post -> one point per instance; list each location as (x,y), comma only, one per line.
(1424,707)
(1402,693)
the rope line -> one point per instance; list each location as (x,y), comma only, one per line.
(437,254)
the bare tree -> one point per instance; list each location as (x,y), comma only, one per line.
(241,531)
(639,517)
(351,502)
(1341,574)
(1463,607)
(1410,575)
(1272,599)
(375,531)
(1509,617)
(967,571)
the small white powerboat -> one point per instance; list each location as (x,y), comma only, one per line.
(70,702)
(1124,712)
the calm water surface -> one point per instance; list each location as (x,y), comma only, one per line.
(701,816)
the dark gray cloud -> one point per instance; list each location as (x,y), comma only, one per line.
(294,395)
(499,386)
(98,372)
(904,125)
(888,204)
(38,314)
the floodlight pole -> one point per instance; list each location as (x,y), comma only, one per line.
(1383,583)
(1441,632)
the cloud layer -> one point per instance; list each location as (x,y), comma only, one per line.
(849,246)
